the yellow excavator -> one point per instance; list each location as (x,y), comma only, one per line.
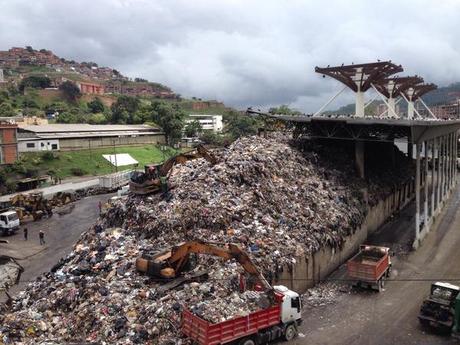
(155,177)
(170,263)
(32,206)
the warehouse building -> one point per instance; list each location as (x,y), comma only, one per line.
(8,143)
(208,122)
(68,137)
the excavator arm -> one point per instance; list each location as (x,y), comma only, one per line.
(172,262)
(149,182)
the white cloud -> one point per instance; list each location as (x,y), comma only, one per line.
(258,53)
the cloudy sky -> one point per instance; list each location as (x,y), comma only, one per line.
(242,52)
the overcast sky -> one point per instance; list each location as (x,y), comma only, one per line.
(242,52)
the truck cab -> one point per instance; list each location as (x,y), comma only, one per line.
(9,223)
(291,306)
(437,310)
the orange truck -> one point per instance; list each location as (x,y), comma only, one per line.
(370,267)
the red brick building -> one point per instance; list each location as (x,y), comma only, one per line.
(8,143)
(90,88)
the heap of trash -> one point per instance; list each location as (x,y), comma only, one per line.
(276,202)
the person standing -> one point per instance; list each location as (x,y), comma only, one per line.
(26,233)
(100,207)
(41,236)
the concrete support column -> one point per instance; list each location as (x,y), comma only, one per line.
(359,106)
(410,110)
(417,195)
(391,106)
(451,156)
(438,171)
(444,167)
(425,204)
(449,159)
(410,150)
(453,160)
(433,168)
(455,155)
(447,163)
(359,158)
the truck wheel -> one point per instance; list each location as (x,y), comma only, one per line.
(388,272)
(381,284)
(247,342)
(290,332)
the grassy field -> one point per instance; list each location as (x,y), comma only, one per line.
(90,162)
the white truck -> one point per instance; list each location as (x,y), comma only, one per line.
(9,223)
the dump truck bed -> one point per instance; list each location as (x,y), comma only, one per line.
(206,333)
(370,264)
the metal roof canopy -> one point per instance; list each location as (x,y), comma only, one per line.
(418,91)
(399,84)
(369,129)
(369,73)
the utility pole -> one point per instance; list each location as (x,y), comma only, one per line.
(115,156)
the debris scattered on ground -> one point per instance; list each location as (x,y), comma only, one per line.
(323,294)
(10,271)
(274,201)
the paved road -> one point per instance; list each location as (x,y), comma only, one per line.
(63,187)
(364,317)
(61,233)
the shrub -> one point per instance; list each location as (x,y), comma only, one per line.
(48,156)
(31,172)
(77,171)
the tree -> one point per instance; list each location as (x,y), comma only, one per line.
(284,110)
(4,96)
(238,125)
(29,102)
(35,81)
(97,119)
(56,107)
(6,110)
(70,91)
(29,49)
(124,109)
(96,106)
(170,118)
(73,115)
(193,129)
(140,80)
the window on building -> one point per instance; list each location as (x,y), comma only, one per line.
(30,145)
(42,144)
(1,155)
(54,147)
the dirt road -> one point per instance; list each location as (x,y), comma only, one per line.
(364,317)
(61,233)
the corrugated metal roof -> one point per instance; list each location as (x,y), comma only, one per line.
(66,128)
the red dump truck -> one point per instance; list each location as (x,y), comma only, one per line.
(370,267)
(279,320)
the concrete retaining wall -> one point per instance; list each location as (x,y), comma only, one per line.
(313,268)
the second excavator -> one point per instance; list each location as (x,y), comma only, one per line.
(155,177)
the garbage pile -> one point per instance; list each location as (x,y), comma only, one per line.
(10,270)
(268,197)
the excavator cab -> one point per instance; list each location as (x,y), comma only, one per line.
(153,170)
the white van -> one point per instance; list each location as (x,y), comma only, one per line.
(9,223)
